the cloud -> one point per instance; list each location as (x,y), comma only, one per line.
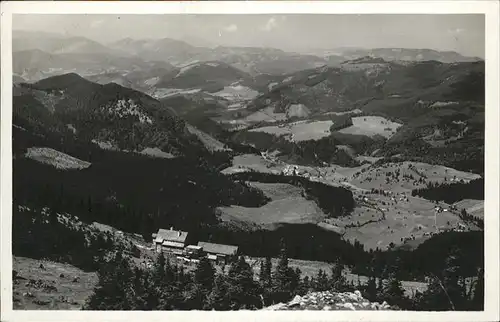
(96,23)
(231,28)
(270,24)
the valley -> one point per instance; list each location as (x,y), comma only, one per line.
(368,166)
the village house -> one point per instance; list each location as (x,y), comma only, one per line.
(171,241)
(219,253)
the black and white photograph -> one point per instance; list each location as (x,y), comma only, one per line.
(249,162)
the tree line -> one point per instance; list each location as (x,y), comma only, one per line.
(167,286)
(452,192)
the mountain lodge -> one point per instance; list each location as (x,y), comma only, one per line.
(171,240)
(175,242)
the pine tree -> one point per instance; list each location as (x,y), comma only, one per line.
(282,278)
(218,298)
(451,279)
(477,302)
(140,291)
(204,274)
(262,273)
(159,270)
(393,292)
(321,281)
(304,286)
(268,267)
(114,290)
(371,289)
(337,282)
(242,289)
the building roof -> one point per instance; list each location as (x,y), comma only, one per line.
(218,248)
(168,243)
(194,247)
(171,235)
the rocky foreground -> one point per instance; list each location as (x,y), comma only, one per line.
(330,301)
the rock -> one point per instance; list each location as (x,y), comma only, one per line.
(328,301)
(61,275)
(353,297)
(296,299)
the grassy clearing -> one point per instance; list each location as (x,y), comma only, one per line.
(375,176)
(278,191)
(286,206)
(296,210)
(208,141)
(299,131)
(254,162)
(371,126)
(472,206)
(56,158)
(405,222)
(237,93)
(56,287)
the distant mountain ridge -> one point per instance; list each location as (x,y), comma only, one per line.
(409,54)
(39,55)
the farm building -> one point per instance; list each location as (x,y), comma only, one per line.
(171,240)
(219,252)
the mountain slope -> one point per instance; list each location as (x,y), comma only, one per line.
(125,118)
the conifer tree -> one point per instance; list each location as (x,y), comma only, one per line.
(393,292)
(268,267)
(242,289)
(218,298)
(337,282)
(204,274)
(321,281)
(114,290)
(262,273)
(371,289)
(477,302)
(282,278)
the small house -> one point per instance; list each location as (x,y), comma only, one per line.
(219,253)
(171,240)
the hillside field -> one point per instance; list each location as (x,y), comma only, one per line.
(287,206)
(56,287)
(299,131)
(371,126)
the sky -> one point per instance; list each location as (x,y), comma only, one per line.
(463,33)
